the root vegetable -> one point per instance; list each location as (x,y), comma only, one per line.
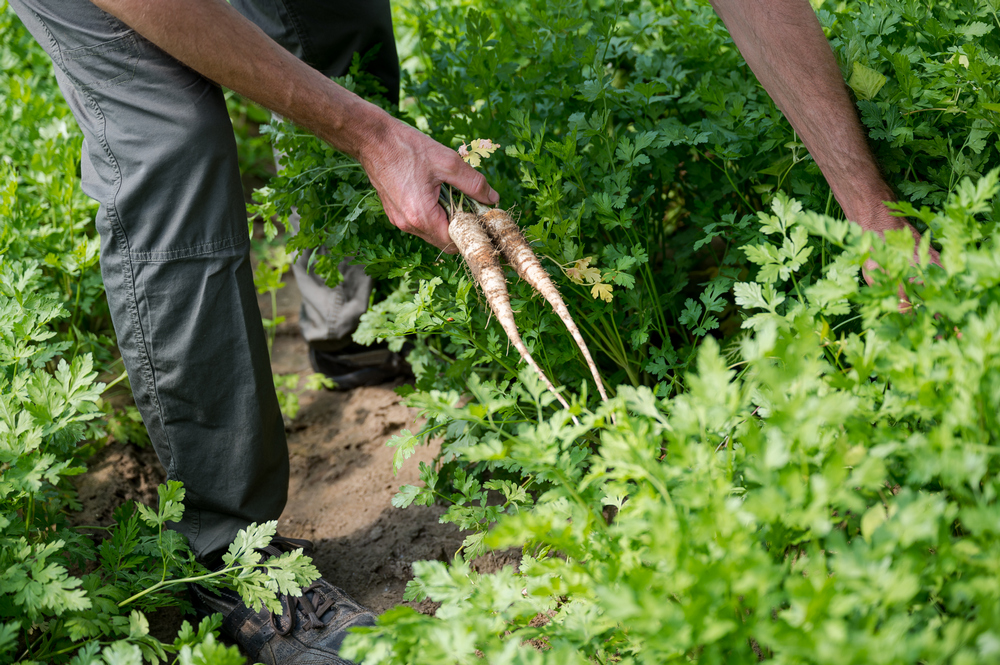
(508,237)
(480,255)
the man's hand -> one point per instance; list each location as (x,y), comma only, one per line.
(880,221)
(406,166)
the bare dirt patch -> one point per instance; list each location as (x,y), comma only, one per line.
(342,484)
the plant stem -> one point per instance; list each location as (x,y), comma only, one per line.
(121,377)
(184,580)
(273,328)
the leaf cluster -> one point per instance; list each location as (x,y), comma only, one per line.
(796,469)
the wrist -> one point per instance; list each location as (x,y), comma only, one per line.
(358,127)
(877,218)
(864,204)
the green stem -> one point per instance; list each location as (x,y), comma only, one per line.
(29,514)
(732,184)
(272,329)
(843,323)
(932,109)
(121,377)
(47,656)
(651,284)
(76,305)
(634,378)
(185,580)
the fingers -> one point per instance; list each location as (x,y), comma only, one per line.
(430,225)
(470,181)
(407,168)
(437,230)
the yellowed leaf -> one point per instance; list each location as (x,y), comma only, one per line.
(602,291)
(591,275)
(581,272)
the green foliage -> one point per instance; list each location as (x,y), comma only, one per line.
(255,155)
(791,467)
(44,216)
(635,135)
(273,260)
(827,498)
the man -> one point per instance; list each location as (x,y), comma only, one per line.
(160,158)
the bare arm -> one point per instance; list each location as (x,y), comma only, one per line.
(784,45)
(405,166)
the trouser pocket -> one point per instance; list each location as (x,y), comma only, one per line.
(110,63)
(93,48)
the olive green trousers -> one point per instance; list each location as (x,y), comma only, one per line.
(160,158)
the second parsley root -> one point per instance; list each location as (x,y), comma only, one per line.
(481,257)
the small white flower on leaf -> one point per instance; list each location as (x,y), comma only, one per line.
(477,151)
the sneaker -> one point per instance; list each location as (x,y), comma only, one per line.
(356,365)
(309,630)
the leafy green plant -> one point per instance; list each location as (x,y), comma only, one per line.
(634,137)
(254,150)
(138,564)
(797,470)
(272,264)
(828,497)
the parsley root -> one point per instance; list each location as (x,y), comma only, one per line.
(480,255)
(507,236)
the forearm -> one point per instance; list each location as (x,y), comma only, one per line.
(405,166)
(784,45)
(218,42)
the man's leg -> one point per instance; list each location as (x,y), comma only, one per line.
(160,158)
(326,35)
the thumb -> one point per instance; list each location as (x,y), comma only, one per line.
(470,182)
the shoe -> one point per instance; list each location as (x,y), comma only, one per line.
(356,365)
(309,631)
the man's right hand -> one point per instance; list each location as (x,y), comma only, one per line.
(407,168)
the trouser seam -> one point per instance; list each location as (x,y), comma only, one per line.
(56,49)
(203,249)
(111,209)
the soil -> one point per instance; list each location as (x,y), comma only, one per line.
(341,488)
(342,484)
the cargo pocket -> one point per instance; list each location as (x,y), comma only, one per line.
(107,64)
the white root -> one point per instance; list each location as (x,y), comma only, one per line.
(507,236)
(480,255)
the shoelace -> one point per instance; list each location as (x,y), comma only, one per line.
(291,603)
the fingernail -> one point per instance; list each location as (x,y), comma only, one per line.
(494,197)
